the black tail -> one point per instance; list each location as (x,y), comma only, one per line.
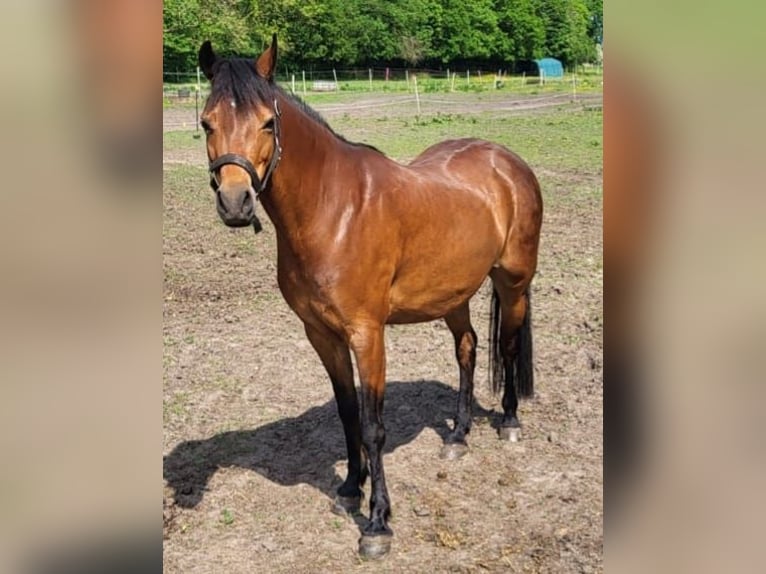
(523,365)
(523,371)
(496,370)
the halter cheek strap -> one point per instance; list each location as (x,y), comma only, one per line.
(257,184)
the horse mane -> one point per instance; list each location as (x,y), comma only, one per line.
(236,78)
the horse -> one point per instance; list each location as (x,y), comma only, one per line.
(364,242)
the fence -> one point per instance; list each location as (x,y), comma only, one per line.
(183,97)
(181,85)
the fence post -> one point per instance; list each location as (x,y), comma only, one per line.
(292,83)
(387,72)
(335,77)
(196,105)
(468,77)
(448,77)
(370,79)
(454,77)
(574,86)
(407,78)
(417,96)
(303,72)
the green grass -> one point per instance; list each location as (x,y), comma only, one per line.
(176,405)
(183,140)
(227,518)
(562,138)
(564,145)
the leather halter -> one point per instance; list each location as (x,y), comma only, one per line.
(257,184)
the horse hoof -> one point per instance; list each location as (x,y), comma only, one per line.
(453,450)
(374,547)
(512,434)
(346,505)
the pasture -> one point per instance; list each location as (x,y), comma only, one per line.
(253,448)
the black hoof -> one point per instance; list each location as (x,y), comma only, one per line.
(453,450)
(346,505)
(374,547)
(512,434)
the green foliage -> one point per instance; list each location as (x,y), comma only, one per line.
(188,23)
(325,33)
(566,25)
(522,30)
(596,20)
(468,30)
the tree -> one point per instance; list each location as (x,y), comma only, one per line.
(468,31)
(522,28)
(180,29)
(582,47)
(566,30)
(326,33)
(188,23)
(226,24)
(418,23)
(596,20)
(413,50)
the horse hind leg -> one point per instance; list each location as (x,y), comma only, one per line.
(513,342)
(459,323)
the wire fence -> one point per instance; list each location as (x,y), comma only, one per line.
(408,91)
(182,85)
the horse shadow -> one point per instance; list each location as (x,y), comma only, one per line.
(305,449)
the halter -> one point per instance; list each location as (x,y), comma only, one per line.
(257,185)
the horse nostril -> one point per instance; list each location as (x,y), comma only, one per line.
(219,201)
(247,204)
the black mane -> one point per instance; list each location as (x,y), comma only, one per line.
(236,79)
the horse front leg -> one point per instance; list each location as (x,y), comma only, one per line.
(369,350)
(335,356)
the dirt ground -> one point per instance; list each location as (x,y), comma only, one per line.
(253,448)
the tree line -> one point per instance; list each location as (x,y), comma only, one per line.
(432,33)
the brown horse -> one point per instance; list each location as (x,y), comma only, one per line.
(364,241)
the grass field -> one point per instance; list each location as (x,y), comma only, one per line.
(253,448)
(564,144)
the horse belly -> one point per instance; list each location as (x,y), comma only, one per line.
(446,261)
(419,297)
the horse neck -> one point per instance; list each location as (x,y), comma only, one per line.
(297,183)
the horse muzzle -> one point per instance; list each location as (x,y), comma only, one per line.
(235,208)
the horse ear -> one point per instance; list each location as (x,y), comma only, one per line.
(206,59)
(266,63)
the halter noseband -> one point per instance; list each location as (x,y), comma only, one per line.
(257,184)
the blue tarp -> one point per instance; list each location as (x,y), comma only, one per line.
(551,67)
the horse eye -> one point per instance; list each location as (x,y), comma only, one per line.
(268,126)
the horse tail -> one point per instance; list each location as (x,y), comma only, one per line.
(523,370)
(522,364)
(496,370)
